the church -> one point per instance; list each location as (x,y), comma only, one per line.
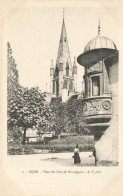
(63,75)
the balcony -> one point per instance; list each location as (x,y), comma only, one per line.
(97,111)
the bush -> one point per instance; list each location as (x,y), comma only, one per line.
(19,150)
(74,140)
(86,143)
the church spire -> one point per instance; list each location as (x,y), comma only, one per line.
(63,50)
(63,77)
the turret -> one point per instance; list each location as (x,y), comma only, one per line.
(100,103)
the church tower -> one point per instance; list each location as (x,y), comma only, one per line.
(63,84)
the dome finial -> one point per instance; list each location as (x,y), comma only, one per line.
(99,28)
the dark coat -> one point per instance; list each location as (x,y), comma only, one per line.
(76,158)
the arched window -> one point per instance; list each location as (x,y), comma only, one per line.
(56,72)
(67,68)
(65,84)
(67,71)
(95,86)
(57,88)
(53,87)
(71,86)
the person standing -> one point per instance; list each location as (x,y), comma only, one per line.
(76,155)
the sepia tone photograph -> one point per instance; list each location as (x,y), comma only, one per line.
(70,114)
(62,94)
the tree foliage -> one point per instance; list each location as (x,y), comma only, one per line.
(58,109)
(68,116)
(26,107)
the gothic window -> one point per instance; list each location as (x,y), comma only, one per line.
(67,71)
(67,68)
(61,66)
(56,71)
(96,86)
(71,86)
(65,84)
(65,39)
(10,51)
(57,88)
(53,87)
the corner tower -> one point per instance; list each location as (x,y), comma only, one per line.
(100,103)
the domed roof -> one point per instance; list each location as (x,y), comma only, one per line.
(97,49)
(100,42)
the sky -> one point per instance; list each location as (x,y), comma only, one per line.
(34,33)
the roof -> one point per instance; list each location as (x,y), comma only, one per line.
(97,49)
(100,42)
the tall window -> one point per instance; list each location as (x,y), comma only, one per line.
(53,87)
(71,86)
(67,71)
(57,88)
(56,72)
(67,68)
(65,84)
(96,86)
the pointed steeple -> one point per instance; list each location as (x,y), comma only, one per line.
(63,50)
(63,77)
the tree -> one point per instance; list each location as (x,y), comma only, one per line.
(69,116)
(30,110)
(14,91)
(74,108)
(58,109)
(26,107)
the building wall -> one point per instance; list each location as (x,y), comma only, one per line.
(108,144)
(49,96)
(64,95)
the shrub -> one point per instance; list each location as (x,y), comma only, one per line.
(74,140)
(86,143)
